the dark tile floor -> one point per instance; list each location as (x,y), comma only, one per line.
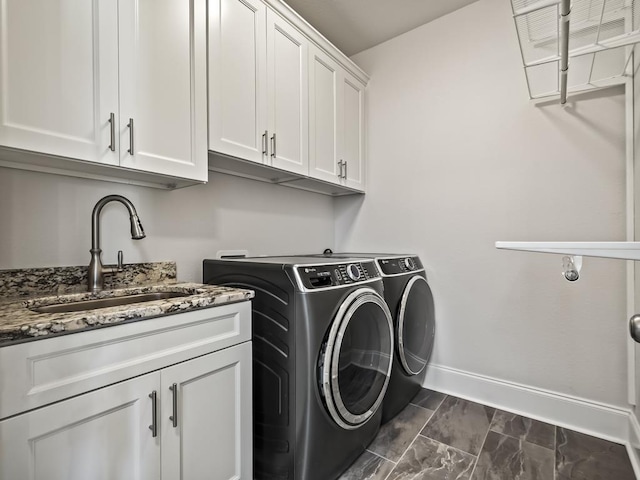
(442,437)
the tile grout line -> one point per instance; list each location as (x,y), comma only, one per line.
(446,445)
(433,412)
(525,440)
(403,454)
(435,409)
(482,445)
(382,456)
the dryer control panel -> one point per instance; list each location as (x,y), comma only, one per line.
(399,265)
(315,277)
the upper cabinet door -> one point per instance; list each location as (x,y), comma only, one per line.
(352,128)
(323,117)
(163,111)
(237,78)
(287,94)
(59,77)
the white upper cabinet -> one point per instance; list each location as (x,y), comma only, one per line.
(280,98)
(336,123)
(258,86)
(237,78)
(59,77)
(324,81)
(352,130)
(288,104)
(110,82)
(163,112)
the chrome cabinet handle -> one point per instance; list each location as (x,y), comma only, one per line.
(346,165)
(174,417)
(340,168)
(264,142)
(273,145)
(154,413)
(112,121)
(634,327)
(130,125)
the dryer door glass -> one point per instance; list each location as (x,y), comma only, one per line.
(416,325)
(357,359)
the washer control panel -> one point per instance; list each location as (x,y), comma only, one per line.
(399,265)
(314,277)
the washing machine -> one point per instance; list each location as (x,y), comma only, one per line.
(410,300)
(322,359)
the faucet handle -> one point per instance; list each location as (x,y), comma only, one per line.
(120,261)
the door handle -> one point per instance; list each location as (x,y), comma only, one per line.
(154,413)
(340,166)
(130,125)
(634,327)
(264,142)
(174,417)
(112,121)
(346,165)
(273,145)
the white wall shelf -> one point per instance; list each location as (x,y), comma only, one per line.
(619,250)
(575,45)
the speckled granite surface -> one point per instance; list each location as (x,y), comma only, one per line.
(61,280)
(23,291)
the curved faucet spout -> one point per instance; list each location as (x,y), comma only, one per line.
(96,270)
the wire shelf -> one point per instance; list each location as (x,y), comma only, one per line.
(601,35)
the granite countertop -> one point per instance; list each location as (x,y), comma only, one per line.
(22,291)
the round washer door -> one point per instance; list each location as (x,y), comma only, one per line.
(355,363)
(416,325)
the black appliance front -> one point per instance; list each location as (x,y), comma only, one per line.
(322,355)
(410,299)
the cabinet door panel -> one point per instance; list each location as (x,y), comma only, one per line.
(59,82)
(101,435)
(323,118)
(352,121)
(288,102)
(212,438)
(163,86)
(237,78)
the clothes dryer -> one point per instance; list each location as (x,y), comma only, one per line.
(410,300)
(322,359)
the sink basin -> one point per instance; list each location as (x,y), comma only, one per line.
(106,302)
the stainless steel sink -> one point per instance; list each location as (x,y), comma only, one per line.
(106,302)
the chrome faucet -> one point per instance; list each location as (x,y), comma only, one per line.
(97,271)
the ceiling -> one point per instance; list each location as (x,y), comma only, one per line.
(355,25)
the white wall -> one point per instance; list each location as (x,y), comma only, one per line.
(459,158)
(45,220)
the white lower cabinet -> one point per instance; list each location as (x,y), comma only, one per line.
(195,416)
(102,435)
(206,421)
(189,418)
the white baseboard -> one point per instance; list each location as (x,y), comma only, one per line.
(611,423)
(597,419)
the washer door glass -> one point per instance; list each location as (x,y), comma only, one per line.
(356,362)
(416,325)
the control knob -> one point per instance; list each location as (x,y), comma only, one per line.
(353,272)
(409,263)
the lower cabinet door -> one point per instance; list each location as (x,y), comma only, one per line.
(207,421)
(102,435)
